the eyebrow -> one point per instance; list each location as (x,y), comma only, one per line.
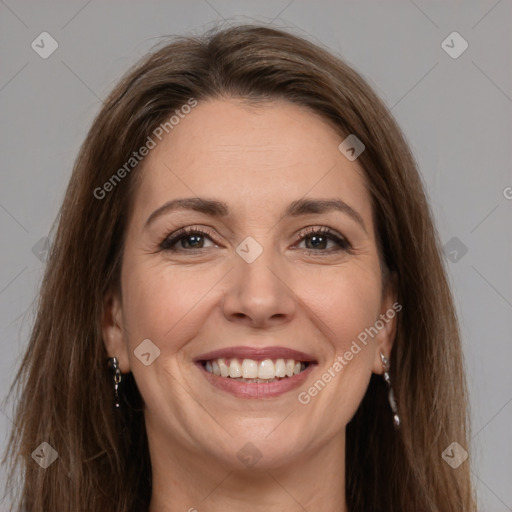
(221,209)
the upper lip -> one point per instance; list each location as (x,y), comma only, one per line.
(245,352)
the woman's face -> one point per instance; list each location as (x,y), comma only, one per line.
(263,271)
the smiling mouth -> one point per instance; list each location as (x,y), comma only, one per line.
(253,371)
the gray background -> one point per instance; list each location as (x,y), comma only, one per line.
(456,114)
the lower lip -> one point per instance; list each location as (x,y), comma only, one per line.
(257,389)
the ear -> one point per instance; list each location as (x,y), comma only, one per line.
(387,322)
(113,331)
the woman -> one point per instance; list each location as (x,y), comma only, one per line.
(246,264)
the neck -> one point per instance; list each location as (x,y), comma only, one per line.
(195,482)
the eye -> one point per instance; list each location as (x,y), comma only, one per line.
(186,239)
(317,239)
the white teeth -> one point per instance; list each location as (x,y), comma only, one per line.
(266,369)
(253,381)
(215,368)
(250,370)
(234,369)
(224,368)
(280,368)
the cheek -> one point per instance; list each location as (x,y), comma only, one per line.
(345,300)
(344,305)
(162,304)
(168,308)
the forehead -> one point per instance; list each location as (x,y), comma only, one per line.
(251,156)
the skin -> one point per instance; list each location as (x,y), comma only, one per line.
(317,300)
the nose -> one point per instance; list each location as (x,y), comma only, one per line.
(259,295)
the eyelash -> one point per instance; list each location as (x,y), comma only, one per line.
(169,241)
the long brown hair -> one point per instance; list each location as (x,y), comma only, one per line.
(66,388)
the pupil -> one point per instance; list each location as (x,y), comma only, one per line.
(195,240)
(315,240)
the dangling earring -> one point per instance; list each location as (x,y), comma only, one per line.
(113,364)
(391,396)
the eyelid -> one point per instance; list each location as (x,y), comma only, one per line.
(175,236)
(340,239)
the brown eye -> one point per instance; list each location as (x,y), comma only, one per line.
(186,239)
(318,239)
